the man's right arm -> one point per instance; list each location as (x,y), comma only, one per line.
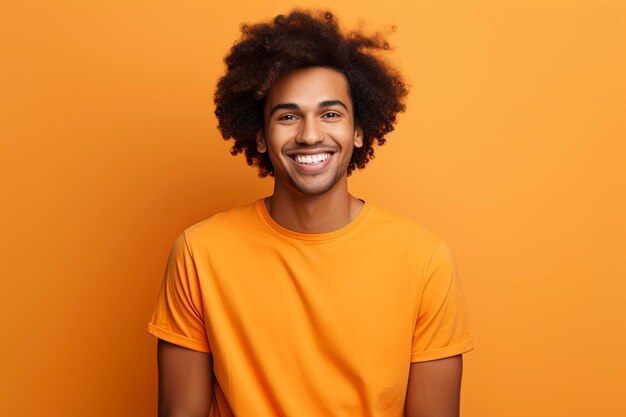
(185,381)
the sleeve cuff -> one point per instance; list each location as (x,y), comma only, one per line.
(168,336)
(444,352)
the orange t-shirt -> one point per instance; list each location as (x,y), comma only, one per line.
(311,324)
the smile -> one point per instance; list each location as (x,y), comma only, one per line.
(311,159)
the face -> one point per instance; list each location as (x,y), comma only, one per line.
(309,130)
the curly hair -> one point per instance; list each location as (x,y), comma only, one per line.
(302,39)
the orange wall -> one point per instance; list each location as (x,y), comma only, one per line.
(512,149)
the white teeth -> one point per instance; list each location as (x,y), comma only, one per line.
(312,159)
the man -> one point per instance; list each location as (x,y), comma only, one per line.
(310,302)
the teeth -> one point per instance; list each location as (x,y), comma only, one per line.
(312,159)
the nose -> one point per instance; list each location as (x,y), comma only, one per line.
(309,133)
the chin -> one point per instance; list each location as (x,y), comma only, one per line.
(316,188)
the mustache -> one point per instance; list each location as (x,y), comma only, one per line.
(322,148)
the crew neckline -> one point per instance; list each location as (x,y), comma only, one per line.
(310,237)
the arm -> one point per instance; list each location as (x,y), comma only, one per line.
(185,381)
(434,388)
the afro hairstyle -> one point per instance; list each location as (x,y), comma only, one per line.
(302,39)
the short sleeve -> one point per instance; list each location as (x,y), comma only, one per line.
(178,316)
(442,325)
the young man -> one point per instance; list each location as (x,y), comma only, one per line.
(310,302)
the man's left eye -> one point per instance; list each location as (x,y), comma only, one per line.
(331,115)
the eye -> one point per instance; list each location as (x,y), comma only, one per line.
(331,115)
(287,117)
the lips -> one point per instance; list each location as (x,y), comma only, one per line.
(311,159)
(311,163)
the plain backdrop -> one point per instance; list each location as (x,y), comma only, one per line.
(512,149)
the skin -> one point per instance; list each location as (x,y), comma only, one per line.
(434,388)
(185,381)
(306,111)
(299,119)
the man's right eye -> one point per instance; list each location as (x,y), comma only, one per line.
(287,117)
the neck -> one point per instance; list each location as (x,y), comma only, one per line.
(321,213)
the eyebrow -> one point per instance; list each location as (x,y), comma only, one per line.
(294,106)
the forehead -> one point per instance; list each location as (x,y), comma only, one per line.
(309,86)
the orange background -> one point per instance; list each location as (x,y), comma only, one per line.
(512,149)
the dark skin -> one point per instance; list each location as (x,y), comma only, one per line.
(185,381)
(308,113)
(316,117)
(434,388)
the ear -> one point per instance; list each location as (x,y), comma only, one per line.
(261,146)
(358,137)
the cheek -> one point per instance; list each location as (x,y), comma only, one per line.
(343,132)
(278,135)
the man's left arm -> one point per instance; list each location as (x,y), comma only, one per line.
(434,388)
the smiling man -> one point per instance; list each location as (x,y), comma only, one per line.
(309,135)
(310,302)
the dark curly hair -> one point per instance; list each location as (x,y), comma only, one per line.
(303,39)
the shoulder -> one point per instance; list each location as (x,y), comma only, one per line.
(403,228)
(221,225)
